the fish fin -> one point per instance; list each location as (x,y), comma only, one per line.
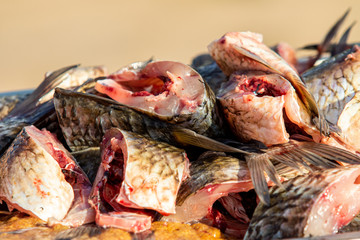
(331,154)
(189,137)
(283,170)
(31,102)
(258,164)
(256,58)
(324,46)
(322,124)
(342,45)
(309,154)
(332,33)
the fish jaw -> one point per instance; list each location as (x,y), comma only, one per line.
(228,58)
(32,179)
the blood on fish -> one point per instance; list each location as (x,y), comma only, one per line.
(37,182)
(260,87)
(141,94)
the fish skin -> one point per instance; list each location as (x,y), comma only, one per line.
(334,82)
(152,172)
(288,214)
(89,160)
(7,103)
(38,105)
(295,155)
(84,119)
(32,180)
(211,170)
(244,51)
(206,66)
(151,168)
(192,102)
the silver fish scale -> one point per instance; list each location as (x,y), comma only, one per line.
(153,156)
(152,170)
(334,83)
(290,207)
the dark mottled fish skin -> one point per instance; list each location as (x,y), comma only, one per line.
(334,82)
(35,109)
(206,66)
(84,119)
(213,75)
(89,160)
(289,210)
(12,124)
(7,103)
(204,119)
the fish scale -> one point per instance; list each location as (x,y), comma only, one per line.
(290,208)
(334,82)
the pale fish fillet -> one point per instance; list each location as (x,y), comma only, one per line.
(39,177)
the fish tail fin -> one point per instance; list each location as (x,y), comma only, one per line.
(29,106)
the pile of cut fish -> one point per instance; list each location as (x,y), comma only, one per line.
(248,139)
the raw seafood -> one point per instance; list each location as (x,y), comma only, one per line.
(136,175)
(38,176)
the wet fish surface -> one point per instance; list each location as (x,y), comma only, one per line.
(312,205)
(167,90)
(38,105)
(84,119)
(39,177)
(334,82)
(137,176)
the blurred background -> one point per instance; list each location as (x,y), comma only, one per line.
(40,35)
